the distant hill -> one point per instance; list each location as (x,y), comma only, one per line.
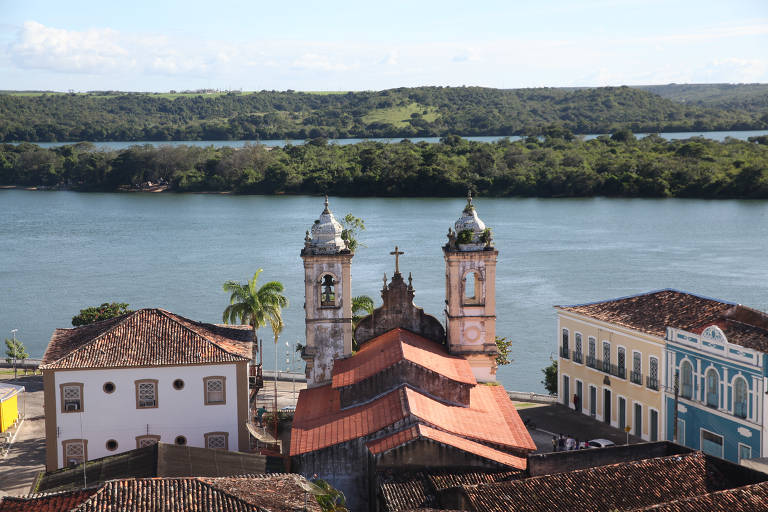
(402,112)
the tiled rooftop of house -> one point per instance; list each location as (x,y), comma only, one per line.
(653,312)
(397,345)
(251,493)
(146,337)
(621,487)
(491,417)
(749,498)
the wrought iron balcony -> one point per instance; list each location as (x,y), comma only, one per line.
(591,361)
(606,365)
(652,383)
(636,377)
(577,357)
(619,371)
(564,352)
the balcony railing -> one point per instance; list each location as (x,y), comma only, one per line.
(636,377)
(577,357)
(606,365)
(652,383)
(591,361)
(564,352)
(619,371)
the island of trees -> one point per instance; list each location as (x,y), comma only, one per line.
(553,163)
(399,113)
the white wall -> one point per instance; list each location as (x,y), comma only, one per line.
(115,416)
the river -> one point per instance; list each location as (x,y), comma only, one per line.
(62,251)
(719,136)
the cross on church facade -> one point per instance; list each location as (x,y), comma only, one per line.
(397,254)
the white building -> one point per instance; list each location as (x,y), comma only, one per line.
(141,378)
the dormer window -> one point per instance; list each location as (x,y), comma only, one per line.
(328,290)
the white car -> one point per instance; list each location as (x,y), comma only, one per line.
(600,443)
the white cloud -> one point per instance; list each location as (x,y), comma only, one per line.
(318,62)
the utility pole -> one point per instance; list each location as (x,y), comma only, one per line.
(13,333)
(677,392)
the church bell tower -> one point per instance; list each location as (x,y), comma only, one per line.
(328,298)
(470,293)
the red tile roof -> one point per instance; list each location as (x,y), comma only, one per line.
(419,431)
(491,417)
(251,493)
(397,345)
(146,337)
(46,503)
(749,498)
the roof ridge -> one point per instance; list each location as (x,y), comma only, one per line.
(95,338)
(184,325)
(652,292)
(740,489)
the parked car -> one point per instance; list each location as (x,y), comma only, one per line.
(600,443)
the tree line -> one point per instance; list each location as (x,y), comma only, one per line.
(554,164)
(400,113)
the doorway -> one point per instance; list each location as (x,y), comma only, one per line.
(607,406)
(638,420)
(622,412)
(592,401)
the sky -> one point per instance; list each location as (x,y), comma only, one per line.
(342,45)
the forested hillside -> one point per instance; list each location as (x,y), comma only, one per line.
(554,165)
(404,112)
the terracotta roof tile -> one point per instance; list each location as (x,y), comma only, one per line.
(749,498)
(415,432)
(622,487)
(146,337)
(397,345)
(59,502)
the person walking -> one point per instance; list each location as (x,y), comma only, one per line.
(575,402)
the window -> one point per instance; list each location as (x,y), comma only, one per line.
(592,352)
(637,369)
(180,440)
(328,291)
(178,384)
(712,391)
(606,356)
(75,451)
(740,396)
(473,293)
(686,380)
(745,452)
(112,445)
(216,440)
(711,443)
(564,346)
(72,397)
(109,387)
(578,351)
(621,362)
(653,374)
(147,440)
(215,390)
(146,394)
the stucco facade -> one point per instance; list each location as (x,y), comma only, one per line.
(111,421)
(622,390)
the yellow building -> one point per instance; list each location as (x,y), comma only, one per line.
(9,405)
(611,354)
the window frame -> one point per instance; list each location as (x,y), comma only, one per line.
(208,435)
(712,370)
(713,434)
(79,385)
(738,451)
(66,443)
(223,380)
(157,393)
(683,363)
(740,379)
(152,437)
(335,284)
(478,299)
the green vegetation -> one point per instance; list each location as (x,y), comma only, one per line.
(15,351)
(256,306)
(352,227)
(403,112)
(505,348)
(98,313)
(550,378)
(556,164)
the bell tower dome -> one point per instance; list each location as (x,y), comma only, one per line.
(470,293)
(327,298)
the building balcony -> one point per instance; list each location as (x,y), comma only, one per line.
(652,383)
(636,377)
(564,352)
(619,371)
(591,361)
(577,357)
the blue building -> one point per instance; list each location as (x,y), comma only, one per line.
(722,372)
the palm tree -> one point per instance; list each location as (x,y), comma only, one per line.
(254,306)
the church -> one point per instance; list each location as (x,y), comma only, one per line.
(415,394)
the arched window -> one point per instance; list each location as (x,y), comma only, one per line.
(328,291)
(740,407)
(473,292)
(712,388)
(686,380)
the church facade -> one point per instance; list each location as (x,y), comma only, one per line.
(414,394)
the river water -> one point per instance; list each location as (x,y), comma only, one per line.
(62,251)
(719,136)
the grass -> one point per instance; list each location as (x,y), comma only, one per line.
(399,116)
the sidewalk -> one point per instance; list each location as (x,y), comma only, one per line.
(26,457)
(558,419)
